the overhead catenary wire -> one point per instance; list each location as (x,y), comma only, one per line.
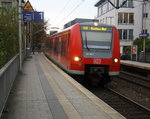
(78,5)
(62,10)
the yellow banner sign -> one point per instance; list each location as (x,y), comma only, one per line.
(98,29)
(94,28)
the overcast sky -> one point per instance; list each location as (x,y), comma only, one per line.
(59,12)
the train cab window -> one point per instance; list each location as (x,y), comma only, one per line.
(97,40)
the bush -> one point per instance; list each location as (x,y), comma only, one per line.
(139,43)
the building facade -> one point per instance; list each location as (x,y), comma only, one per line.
(8,3)
(132,19)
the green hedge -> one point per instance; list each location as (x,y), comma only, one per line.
(8,34)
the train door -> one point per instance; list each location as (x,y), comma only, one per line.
(53,46)
(59,49)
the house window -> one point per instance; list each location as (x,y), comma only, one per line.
(7,4)
(125,5)
(130,35)
(131,18)
(145,15)
(104,8)
(126,34)
(120,18)
(100,11)
(110,6)
(125,18)
(128,4)
(120,33)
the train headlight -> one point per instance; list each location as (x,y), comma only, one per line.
(116,60)
(77,58)
(95,23)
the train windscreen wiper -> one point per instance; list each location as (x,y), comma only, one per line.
(86,42)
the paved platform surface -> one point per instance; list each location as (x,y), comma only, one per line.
(43,91)
(141,65)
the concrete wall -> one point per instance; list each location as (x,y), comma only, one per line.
(7,76)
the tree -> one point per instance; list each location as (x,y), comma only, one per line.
(39,33)
(8,34)
(139,43)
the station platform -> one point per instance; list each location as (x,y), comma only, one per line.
(43,91)
(135,64)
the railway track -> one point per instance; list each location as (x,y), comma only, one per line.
(128,94)
(135,79)
(124,105)
(128,99)
(133,87)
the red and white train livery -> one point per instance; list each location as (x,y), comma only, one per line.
(85,48)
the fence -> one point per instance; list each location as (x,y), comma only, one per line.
(142,57)
(7,76)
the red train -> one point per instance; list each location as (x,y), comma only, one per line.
(87,49)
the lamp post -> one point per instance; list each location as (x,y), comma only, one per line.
(144,27)
(20,35)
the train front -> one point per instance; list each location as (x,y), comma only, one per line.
(100,51)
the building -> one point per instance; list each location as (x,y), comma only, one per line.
(77,20)
(10,3)
(131,20)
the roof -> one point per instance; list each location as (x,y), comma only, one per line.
(91,24)
(99,2)
(77,20)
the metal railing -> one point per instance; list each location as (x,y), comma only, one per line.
(8,74)
(140,58)
(144,57)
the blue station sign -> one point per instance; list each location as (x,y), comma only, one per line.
(29,16)
(39,16)
(143,35)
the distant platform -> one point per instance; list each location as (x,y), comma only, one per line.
(141,65)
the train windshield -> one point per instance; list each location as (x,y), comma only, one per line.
(97,40)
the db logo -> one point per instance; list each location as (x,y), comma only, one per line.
(97,61)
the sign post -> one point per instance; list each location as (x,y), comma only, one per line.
(144,36)
(27,17)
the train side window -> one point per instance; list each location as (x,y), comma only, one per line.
(50,44)
(56,45)
(68,38)
(63,50)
